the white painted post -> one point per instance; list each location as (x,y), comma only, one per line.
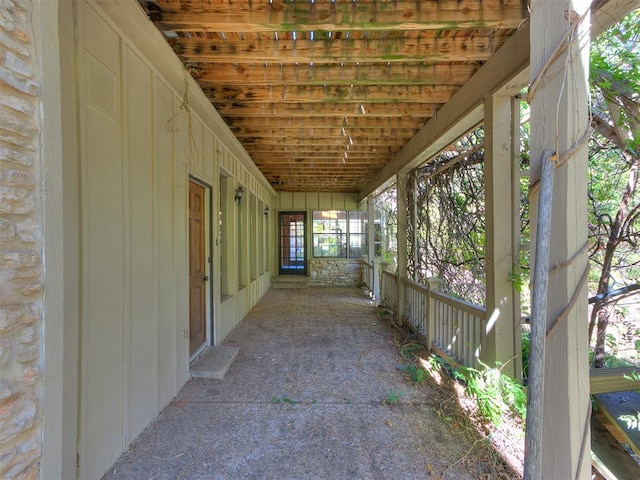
(499,344)
(515,234)
(559,121)
(434,286)
(371,240)
(401,185)
(415,209)
(376,279)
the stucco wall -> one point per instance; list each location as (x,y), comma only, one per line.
(21,281)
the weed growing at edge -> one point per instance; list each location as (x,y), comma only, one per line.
(278,400)
(415,373)
(496,394)
(392,397)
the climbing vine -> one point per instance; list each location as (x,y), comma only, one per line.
(448,241)
(173,124)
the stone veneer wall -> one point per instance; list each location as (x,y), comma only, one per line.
(21,276)
(335,273)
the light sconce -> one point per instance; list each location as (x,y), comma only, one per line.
(239,194)
(266,211)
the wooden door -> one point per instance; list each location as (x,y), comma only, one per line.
(293,255)
(197,267)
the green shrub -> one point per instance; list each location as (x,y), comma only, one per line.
(496,394)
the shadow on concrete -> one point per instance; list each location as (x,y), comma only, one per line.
(304,399)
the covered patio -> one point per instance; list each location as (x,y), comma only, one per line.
(309,396)
(164,162)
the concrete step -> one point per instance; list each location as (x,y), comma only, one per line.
(289,281)
(214,362)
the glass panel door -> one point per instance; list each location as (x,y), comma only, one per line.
(293,257)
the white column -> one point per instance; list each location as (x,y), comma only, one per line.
(499,340)
(401,183)
(371,242)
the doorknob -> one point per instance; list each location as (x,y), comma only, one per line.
(205,278)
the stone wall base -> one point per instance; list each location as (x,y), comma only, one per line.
(335,273)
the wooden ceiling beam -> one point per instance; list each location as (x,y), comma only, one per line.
(295,141)
(238,124)
(319,165)
(315,151)
(335,94)
(277,157)
(324,132)
(269,110)
(322,161)
(311,150)
(333,169)
(425,49)
(386,73)
(279,15)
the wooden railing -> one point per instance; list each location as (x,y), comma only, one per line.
(389,290)
(367,274)
(458,327)
(416,306)
(449,325)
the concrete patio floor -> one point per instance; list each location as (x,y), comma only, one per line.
(303,400)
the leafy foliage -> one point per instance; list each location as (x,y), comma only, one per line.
(450,222)
(496,394)
(632,421)
(393,397)
(416,374)
(614,160)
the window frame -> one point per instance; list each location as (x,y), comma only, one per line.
(341,232)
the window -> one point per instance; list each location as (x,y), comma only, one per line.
(253,237)
(225,243)
(339,234)
(242,240)
(357,233)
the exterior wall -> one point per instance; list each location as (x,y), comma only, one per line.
(328,272)
(335,273)
(137,150)
(21,272)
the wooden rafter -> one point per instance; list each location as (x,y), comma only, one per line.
(252,125)
(380,110)
(408,49)
(278,15)
(334,94)
(324,94)
(386,73)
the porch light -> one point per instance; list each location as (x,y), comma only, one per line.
(266,211)
(239,194)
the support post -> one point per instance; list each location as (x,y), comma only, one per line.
(434,286)
(371,240)
(376,279)
(499,339)
(559,121)
(415,210)
(402,197)
(516,192)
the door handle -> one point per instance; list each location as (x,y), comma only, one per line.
(205,278)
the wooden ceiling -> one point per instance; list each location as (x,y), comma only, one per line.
(322,94)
